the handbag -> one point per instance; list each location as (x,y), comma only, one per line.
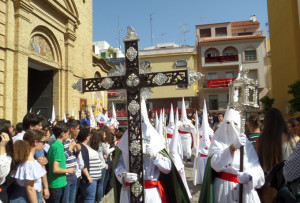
(294,187)
(275,177)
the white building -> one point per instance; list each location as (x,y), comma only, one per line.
(101,49)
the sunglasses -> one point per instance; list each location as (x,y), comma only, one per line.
(44,142)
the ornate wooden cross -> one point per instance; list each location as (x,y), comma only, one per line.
(133,81)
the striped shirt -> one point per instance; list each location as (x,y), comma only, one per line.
(71,161)
(95,164)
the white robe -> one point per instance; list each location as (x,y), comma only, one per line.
(152,168)
(187,139)
(170,130)
(222,161)
(200,162)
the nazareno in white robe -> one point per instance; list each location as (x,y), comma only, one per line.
(152,168)
(187,140)
(204,144)
(222,161)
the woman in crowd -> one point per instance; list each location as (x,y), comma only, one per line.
(220,121)
(91,171)
(297,126)
(6,154)
(98,143)
(28,172)
(279,147)
(291,124)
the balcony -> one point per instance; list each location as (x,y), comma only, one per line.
(221,59)
(214,83)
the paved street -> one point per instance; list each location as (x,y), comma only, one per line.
(195,190)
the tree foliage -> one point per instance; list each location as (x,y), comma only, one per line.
(294,89)
(267,103)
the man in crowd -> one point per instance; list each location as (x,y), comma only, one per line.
(102,119)
(86,121)
(254,128)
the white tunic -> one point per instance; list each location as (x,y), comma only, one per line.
(187,138)
(200,162)
(226,191)
(152,169)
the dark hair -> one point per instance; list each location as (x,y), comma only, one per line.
(274,126)
(96,139)
(30,119)
(119,134)
(19,127)
(297,119)
(4,128)
(220,114)
(255,121)
(72,123)
(291,121)
(59,128)
(83,134)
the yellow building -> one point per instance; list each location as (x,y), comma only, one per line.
(171,57)
(285,45)
(45,47)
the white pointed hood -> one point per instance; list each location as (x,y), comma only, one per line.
(183,110)
(92,119)
(171,125)
(148,132)
(205,133)
(53,115)
(177,116)
(65,118)
(156,121)
(174,147)
(161,125)
(114,122)
(72,112)
(227,132)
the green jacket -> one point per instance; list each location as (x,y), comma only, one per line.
(207,192)
(171,182)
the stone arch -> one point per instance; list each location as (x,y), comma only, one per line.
(43,33)
(229,51)
(97,74)
(212,52)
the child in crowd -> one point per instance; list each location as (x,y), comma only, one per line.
(28,172)
(57,163)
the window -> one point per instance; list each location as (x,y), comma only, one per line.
(230,51)
(187,104)
(211,52)
(103,55)
(229,74)
(252,74)
(120,106)
(250,55)
(221,31)
(211,76)
(213,102)
(205,32)
(244,33)
(181,63)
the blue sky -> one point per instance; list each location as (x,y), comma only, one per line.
(168,18)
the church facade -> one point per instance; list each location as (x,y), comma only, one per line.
(45,47)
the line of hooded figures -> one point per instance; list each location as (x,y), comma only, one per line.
(68,161)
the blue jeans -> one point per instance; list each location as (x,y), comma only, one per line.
(87,192)
(284,195)
(56,195)
(70,191)
(100,183)
(19,195)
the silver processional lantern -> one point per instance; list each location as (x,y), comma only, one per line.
(243,97)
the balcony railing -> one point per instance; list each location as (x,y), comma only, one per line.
(221,59)
(213,83)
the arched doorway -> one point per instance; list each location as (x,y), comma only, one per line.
(42,66)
